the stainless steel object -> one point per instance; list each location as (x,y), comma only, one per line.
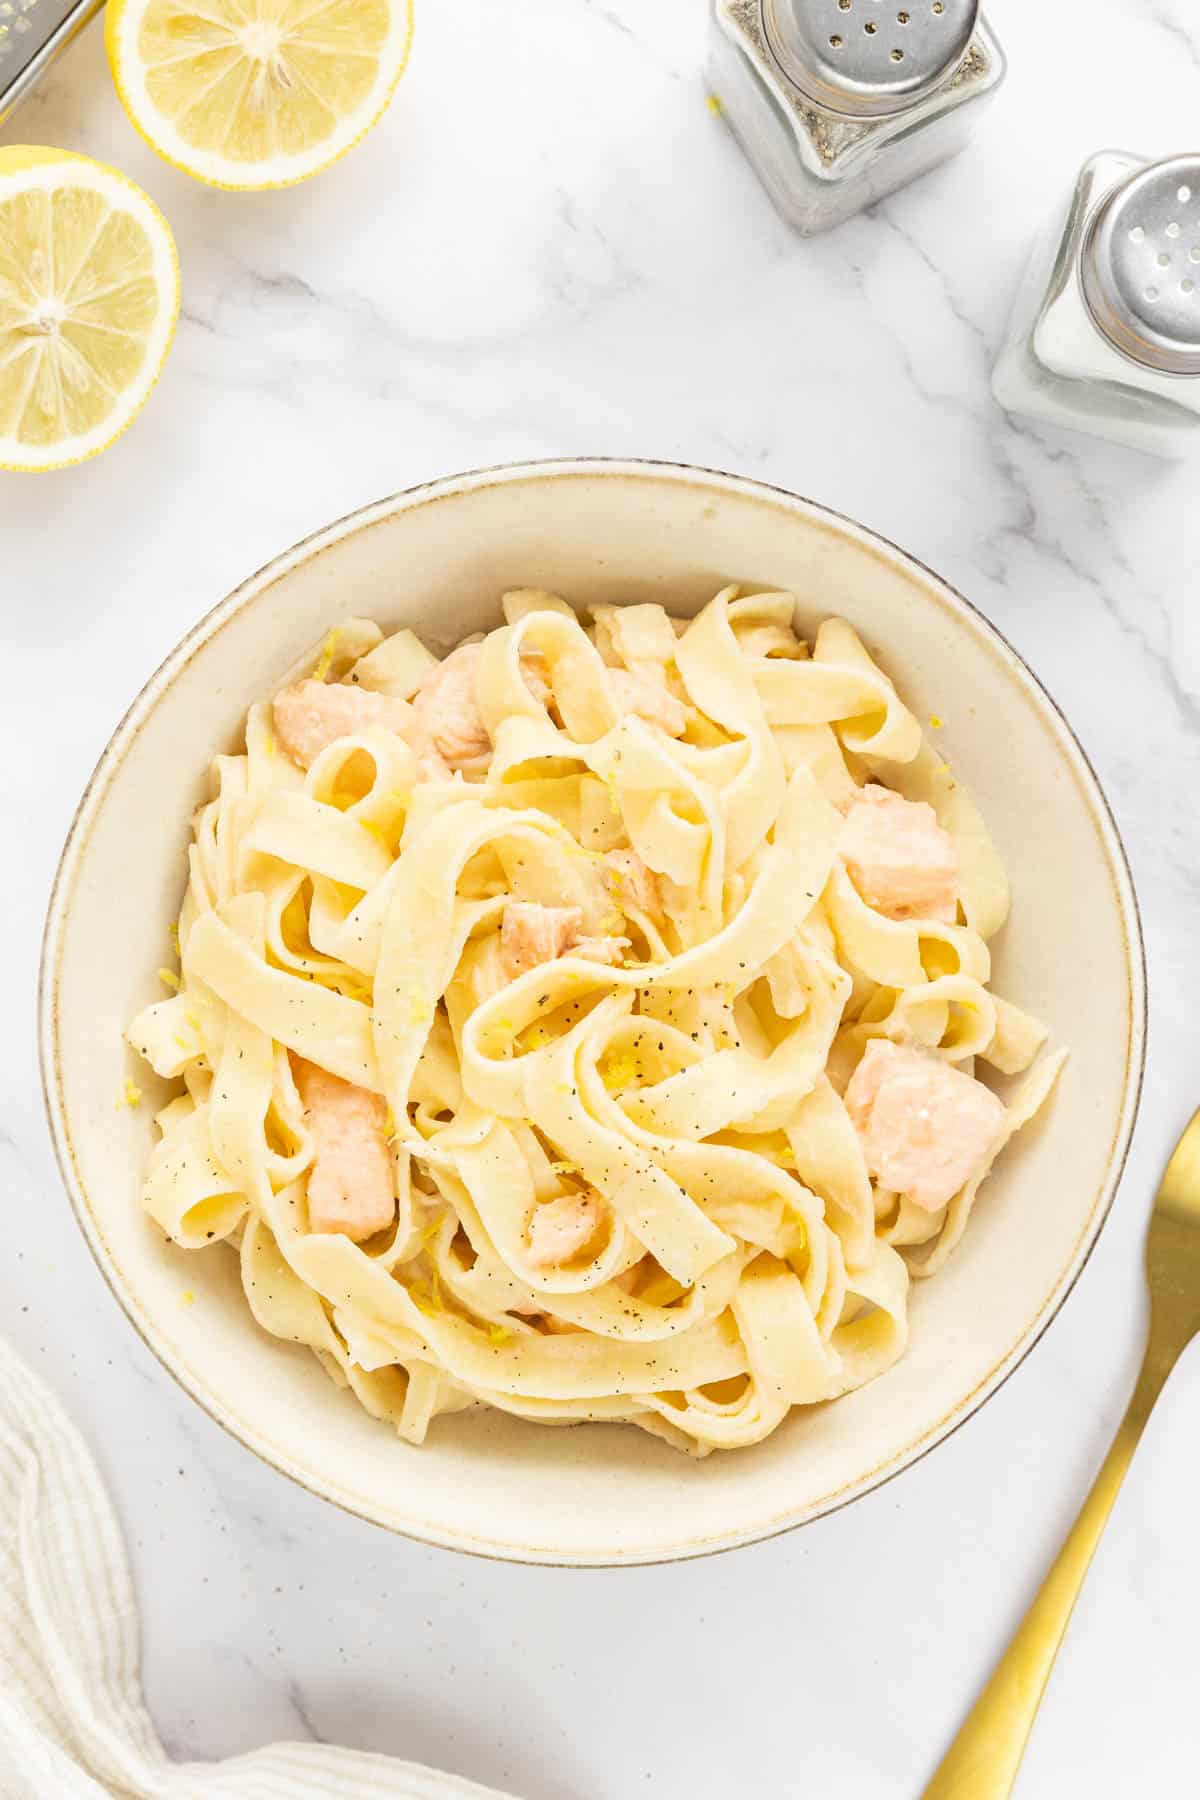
(32,34)
(1141,267)
(866,57)
(839,102)
(1105,332)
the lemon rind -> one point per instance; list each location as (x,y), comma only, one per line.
(122,20)
(25,167)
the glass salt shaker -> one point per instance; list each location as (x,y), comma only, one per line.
(1105,333)
(838,102)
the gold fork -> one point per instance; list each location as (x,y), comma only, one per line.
(984,1758)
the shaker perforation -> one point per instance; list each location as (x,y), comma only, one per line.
(1140,264)
(869,58)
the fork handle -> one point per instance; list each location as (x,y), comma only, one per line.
(983,1761)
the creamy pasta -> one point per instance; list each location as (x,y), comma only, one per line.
(587,1024)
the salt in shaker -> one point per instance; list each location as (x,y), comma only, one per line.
(838,102)
(1105,333)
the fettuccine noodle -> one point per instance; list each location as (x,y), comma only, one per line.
(534,1023)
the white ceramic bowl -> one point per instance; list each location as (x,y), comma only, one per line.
(437,559)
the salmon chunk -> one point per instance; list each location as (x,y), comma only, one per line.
(446,713)
(899,858)
(531,933)
(350,1185)
(310,715)
(646,697)
(632,884)
(559,1229)
(926,1128)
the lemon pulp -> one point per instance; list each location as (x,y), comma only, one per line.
(88,297)
(249,93)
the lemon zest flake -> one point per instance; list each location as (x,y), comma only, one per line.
(500,1334)
(621,1071)
(325,662)
(169,978)
(131,1096)
(187,1297)
(423,1297)
(935,722)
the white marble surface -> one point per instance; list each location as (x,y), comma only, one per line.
(551,246)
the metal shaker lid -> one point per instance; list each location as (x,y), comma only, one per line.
(1141,266)
(868,58)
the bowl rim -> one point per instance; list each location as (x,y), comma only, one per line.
(308,548)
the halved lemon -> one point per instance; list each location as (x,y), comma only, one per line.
(256,93)
(89,296)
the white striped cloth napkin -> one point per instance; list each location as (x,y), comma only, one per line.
(73,1723)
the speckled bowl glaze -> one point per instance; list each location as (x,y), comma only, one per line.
(437,558)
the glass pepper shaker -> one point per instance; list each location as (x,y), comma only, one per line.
(1105,333)
(838,102)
